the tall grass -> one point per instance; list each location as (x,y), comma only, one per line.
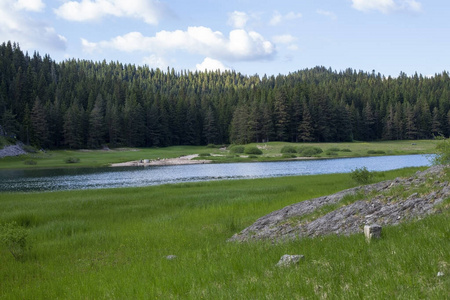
(113,244)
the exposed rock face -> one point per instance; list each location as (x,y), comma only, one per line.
(385,203)
(13,150)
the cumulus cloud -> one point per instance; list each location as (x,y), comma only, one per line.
(30,5)
(277,17)
(284,39)
(155,61)
(16,25)
(387,6)
(211,65)
(326,13)
(90,10)
(240,45)
(238,19)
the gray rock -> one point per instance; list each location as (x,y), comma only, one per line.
(289,260)
(372,231)
(440,274)
(171,257)
(382,209)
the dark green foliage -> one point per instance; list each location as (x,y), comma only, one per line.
(331,153)
(72,160)
(333,149)
(79,104)
(204,154)
(361,175)
(14,238)
(253,150)
(30,162)
(288,149)
(376,152)
(288,155)
(237,149)
(309,151)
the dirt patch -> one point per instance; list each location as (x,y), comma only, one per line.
(182,160)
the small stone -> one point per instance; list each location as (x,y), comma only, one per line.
(288,260)
(440,274)
(372,231)
(171,257)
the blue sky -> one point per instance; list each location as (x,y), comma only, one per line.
(251,37)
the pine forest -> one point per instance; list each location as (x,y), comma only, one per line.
(84,104)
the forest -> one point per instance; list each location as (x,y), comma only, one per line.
(84,104)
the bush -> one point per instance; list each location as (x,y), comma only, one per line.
(288,155)
(14,238)
(30,162)
(376,152)
(29,149)
(214,146)
(237,149)
(361,175)
(334,149)
(204,154)
(72,160)
(309,151)
(442,156)
(252,156)
(253,150)
(331,153)
(288,149)
(346,150)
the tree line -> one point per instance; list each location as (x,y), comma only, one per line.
(85,104)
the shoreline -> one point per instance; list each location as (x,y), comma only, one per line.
(182,160)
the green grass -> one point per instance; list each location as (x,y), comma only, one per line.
(112,243)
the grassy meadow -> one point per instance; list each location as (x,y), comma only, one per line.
(270,152)
(113,244)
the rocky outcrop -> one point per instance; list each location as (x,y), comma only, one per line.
(385,203)
(13,150)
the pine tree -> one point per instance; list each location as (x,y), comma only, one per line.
(39,124)
(281,115)
(306,130)
(97,124)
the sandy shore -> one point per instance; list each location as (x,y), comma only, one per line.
(182,160)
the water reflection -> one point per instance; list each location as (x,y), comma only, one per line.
(94,178)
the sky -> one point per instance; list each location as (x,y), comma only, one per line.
(250,37)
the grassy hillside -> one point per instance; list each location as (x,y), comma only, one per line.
(113,244)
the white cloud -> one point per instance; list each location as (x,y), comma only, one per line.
(90,10)
(30,5)
(211,65)
(240,45)
(277,17)
(155,61)
(326,13)
(387,6)
(17,26)
(284,39)
(238,19)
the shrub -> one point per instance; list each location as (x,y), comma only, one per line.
(331,153)
(29,149)
(334,149)
(237,149)
(288,155)
(346,150)
(309,151)
(288,149)
(376,152)
(72,160)
(252,156)
(14,238)
(204,154)
(30,162)
(213,146)
(361,175)
(253,150)
(442,156)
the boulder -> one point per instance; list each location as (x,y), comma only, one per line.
(289,260)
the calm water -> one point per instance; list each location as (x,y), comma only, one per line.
(95,178)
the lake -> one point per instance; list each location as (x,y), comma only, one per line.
(96,178)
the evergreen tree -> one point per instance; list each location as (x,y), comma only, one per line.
(39,124)
(306,130)
(97,124)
